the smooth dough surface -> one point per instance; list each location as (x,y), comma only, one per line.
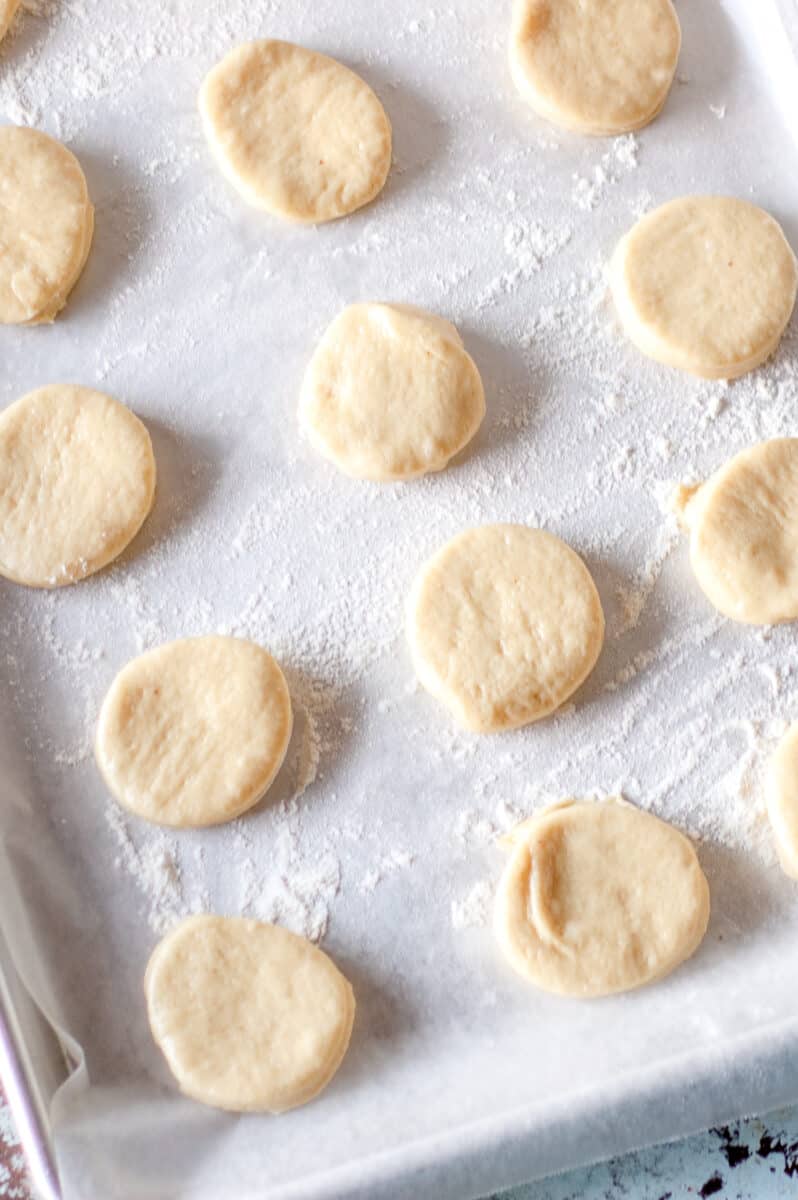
(705,283)
(504,624)
(599,898)
(193,732)
(77,479)
(743,524)
(296,133)
(250,1017)
(596,66)
(46,225)
(782,800)
(390,392)
(8,10)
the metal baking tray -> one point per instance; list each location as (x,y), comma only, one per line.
(378,834)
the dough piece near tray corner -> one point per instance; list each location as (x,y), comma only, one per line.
(600,67)
(599,897)
(46,225)
(77,479)
(743,525)
(706,284)
(295,132)
(504,624)
(250,1017)
(782,800)
(8,10)
(390,392)
(193,732)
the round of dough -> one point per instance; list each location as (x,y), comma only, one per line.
(8,10)
(504,624)
(596,66)
(77,479)
(390,393)
(194,732)
(599,898)
(250,1017)
(46,225)
(705,283)
(296,133)
(782,800)
(743,524)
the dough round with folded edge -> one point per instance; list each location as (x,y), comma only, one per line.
(504,624)
(599,898)
(391,393)
(77,479)
(782,800)
(295,132)
(46,225)
(595,66)
(706,284)
(8,9)
(250,1017)
(193,732)
(743,524)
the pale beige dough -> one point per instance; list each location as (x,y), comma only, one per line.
(77,479)
(706,284)
(296,133)
(250,1017)
(46,225)
(743,524)
(596,66)
(599,898)
(194,732)
(504,624)
(8,10)
(782,800)
(390,393)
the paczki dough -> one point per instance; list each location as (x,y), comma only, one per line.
(782,800)
(504,623)
(77,479)
(194,732)
(46,225)
(599,898)
(743,524)
(706,284)
(390,392)
(250,1017)
(296,133)
(596,66)
(8,10)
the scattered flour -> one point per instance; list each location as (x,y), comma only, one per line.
(588,190)
(475,907)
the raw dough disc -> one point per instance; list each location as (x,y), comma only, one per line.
(390,392)
(77,479)
(599,898)
(596,66)
(46,225)
(295,132)
(250,1017)
(782,800)
(8,10)
(705,283)
(194,732)
(743,525)
(504,624)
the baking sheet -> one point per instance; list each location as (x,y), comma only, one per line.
(378,835)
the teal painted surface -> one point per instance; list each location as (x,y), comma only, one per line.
(750,1160)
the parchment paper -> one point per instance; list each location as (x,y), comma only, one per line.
(201,314)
